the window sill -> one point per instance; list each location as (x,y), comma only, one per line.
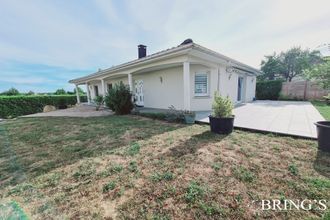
(202,96)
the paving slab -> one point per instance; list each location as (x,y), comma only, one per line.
(284,117)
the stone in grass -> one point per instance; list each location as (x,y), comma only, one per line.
(49,108)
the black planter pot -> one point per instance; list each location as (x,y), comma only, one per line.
(323,135)
(221,125)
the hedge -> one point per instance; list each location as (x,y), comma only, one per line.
(269,90)
(13,106)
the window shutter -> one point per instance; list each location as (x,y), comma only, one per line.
(201,84)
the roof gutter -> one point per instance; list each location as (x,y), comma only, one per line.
(228,59)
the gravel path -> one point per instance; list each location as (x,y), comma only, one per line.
(78,111)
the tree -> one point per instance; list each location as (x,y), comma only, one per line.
(289,64)
(79,90)
(296,60)
(321,74)
(30,93)
(60,92)
(10,92)
(271,67)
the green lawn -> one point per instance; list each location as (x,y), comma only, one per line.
(129,167)
(323,108)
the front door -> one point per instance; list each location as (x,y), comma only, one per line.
(240,89)
(139,98)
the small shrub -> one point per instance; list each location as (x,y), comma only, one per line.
(222,107)
(132,167)
(194,192)
(168,176)
(109,186)
(268,90)
(216,166)
(174,115)
(320,183)
(98,100)
(119,99)
(293,169)
(244,174)
(133,149)
(210,208)
(156,177)
(85,171)
(116,168)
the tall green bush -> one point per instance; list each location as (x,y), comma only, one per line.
(13,106)
(268,90)
(119,99)
(222,106)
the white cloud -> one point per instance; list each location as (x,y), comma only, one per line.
(25,80)
(101,33)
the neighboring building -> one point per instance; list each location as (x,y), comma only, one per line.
(185,76)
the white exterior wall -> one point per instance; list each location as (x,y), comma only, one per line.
(163,94)
(200,103)
(92,91)
(228,86)
(250,88)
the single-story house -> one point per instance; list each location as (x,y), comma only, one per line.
(185,76)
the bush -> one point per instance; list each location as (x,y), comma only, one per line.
(98,100)
(222,107)
(269,90)
(119,99)
(174,115)
(13,106)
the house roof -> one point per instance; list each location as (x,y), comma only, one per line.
(181,47)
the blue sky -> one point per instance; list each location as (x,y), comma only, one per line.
(44,43)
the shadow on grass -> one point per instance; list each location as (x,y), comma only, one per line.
(322,163)
(35,146)
(192,145)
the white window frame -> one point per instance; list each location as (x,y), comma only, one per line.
(207,74)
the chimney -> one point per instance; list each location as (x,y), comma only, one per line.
(142,50)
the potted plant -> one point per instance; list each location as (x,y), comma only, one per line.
(222,119)
(189,116)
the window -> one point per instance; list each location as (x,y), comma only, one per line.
(96,90)
(201,84)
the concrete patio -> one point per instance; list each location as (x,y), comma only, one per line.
(283,117)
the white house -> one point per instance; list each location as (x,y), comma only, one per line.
(185,76)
